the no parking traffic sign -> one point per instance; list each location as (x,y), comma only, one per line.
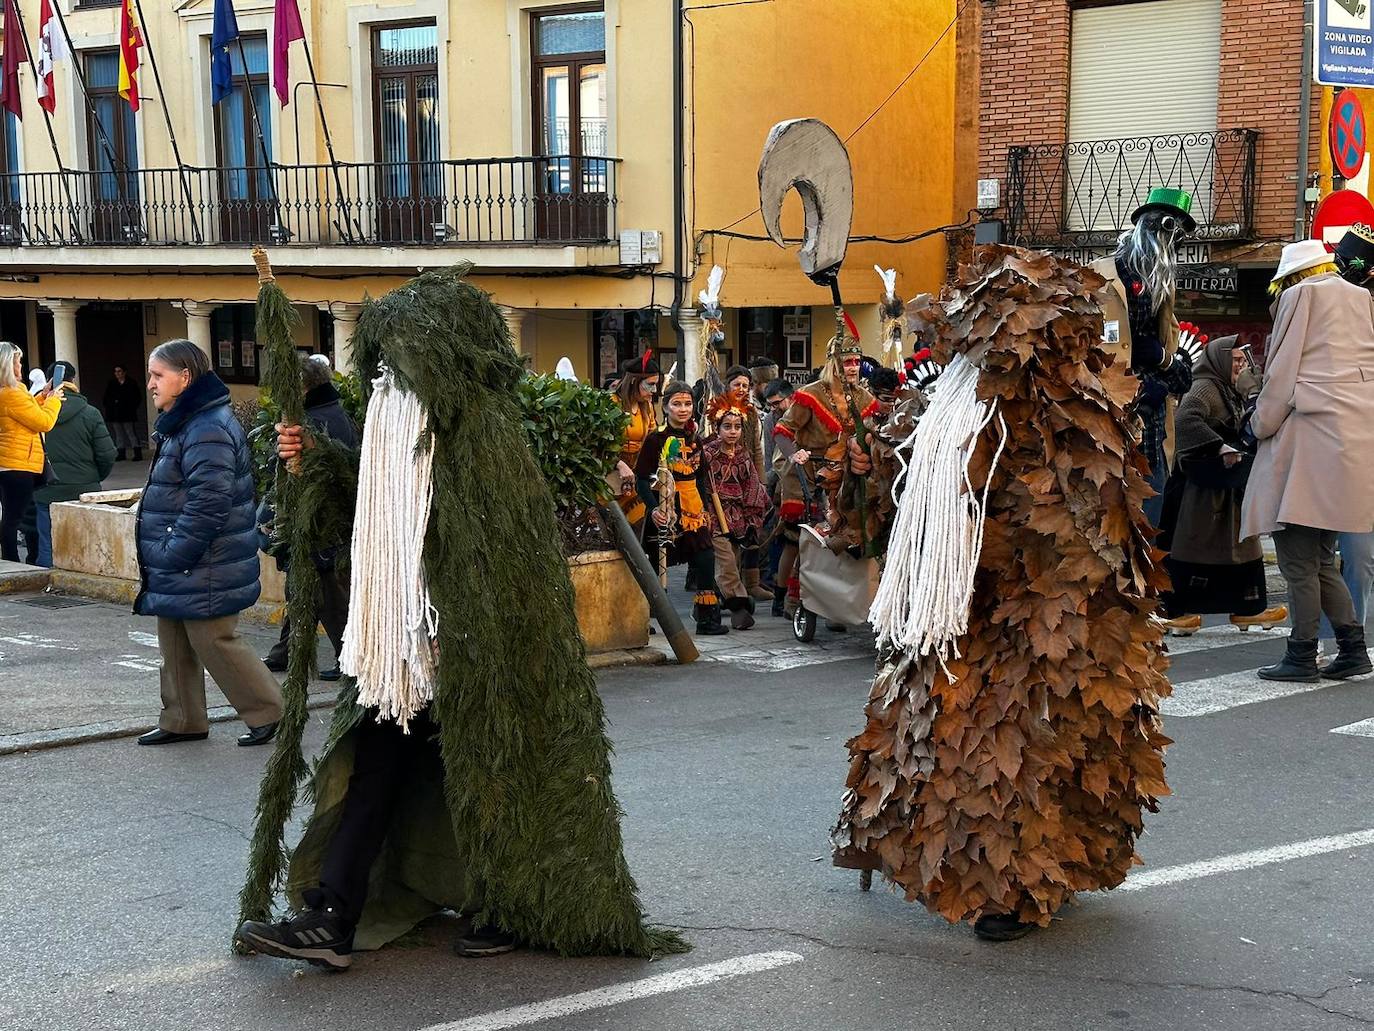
(1346,134)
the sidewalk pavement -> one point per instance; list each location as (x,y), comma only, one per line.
(77,670)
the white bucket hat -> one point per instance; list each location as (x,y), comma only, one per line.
(1302,255)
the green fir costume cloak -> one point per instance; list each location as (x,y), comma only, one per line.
(522,824)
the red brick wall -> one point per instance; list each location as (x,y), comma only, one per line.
(1023,79)
(1261,62)
(1024,88)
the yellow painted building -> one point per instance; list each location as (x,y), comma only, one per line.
(534,138)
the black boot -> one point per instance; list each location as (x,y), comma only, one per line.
(741,614)
(1299,666)
(708,619)
(119,455)
(779,599)
(138,454)
(1353,658)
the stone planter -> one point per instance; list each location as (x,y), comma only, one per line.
(94,556)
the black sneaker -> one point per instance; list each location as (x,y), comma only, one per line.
(274,665)
(316,935)
(484,941)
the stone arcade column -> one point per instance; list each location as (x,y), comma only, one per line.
(345,322)
(198,325)
(64,328)
(515,322)
(689,361)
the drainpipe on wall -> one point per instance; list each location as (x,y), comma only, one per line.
(679,215)
(1304,122)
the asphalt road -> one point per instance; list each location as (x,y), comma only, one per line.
(122,866)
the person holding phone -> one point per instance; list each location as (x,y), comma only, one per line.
(24,418)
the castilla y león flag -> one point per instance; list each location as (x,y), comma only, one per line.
(130,40)
(51,49)
(286,29)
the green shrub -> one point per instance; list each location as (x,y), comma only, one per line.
(575,432)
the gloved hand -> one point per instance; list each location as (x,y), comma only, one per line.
(1247,435)
(1191,342)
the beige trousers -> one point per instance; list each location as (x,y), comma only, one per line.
(189,647)
(727,568)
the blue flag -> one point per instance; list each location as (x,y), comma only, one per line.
(221,68)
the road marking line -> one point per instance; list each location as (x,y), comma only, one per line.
(791,658)
(34,641)
(139,637)
(1364,728)
(1248,860)
(613,995)
(1223,636)
(1206,695)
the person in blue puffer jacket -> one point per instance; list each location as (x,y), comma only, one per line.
(198,552)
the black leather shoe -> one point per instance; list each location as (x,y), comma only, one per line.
(258,735)
(331,674)
(166,737)
(275,665)
(1001,927)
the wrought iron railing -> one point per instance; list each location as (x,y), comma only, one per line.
(1083,194)
(481,201)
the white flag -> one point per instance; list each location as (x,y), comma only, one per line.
(52,47)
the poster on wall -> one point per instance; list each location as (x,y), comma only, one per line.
(1343,43)
(796,353)
(248,354)
(226,354)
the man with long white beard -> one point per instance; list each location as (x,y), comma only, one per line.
(1139,325)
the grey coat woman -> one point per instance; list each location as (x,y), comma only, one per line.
(1213,568)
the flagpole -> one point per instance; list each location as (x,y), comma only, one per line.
(171,133)
(116,165)
(257,127)
(47,120)
(347,217)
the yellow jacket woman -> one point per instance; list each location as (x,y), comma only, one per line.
(22,420)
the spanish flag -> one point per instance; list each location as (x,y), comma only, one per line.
(130,39)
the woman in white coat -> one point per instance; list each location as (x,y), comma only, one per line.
(1311,478)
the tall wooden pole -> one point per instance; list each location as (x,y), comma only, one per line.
(171,133)
(47,119)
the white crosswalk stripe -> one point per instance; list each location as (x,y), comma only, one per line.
(1223,636)
(1364,728)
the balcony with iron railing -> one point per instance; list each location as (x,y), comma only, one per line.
(1082,194)
(554,200)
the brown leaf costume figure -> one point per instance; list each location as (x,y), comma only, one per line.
(995,789)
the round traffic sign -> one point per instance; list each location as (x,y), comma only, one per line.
(1347,134)
(1340,211)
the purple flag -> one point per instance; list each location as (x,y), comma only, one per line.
(286,29)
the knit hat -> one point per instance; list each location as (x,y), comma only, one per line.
(737,370)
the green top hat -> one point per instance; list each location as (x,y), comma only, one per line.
(1170,201)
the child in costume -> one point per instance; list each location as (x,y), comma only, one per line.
(739,505)
(1012,735)
(679,531)
(636,393)
(453,777)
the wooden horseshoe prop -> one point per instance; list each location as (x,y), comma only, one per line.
(805,155)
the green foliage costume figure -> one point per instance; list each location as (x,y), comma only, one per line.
(523,828)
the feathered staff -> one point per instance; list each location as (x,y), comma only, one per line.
(712,332)
(666,488)
(287,767)
(893,316)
